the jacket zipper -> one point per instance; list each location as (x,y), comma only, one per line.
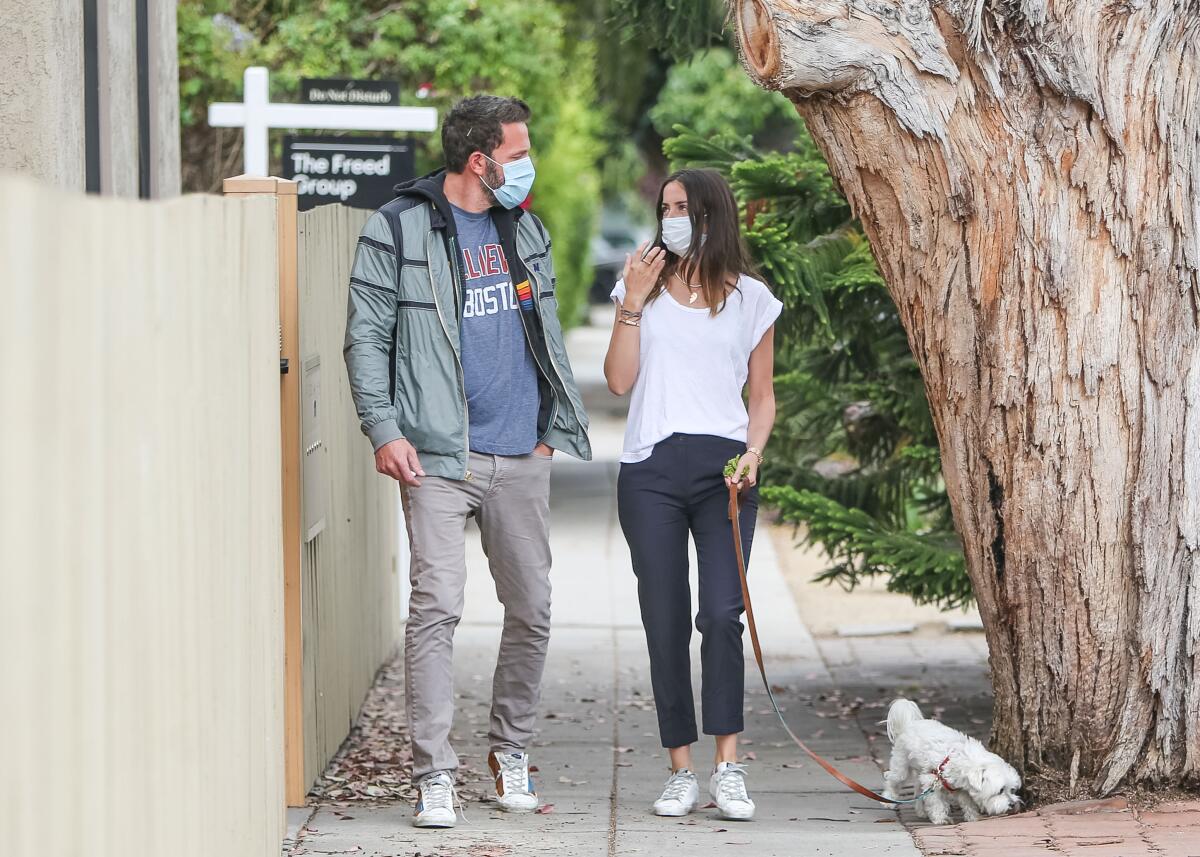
(462,383)
(537,303)
(459,283)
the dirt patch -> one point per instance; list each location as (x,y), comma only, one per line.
(1054,793)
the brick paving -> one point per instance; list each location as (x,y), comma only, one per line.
(1109,828)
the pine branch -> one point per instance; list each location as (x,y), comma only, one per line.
(678,28)
(926,566)
(719,152)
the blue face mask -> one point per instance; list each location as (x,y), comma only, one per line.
(518,179)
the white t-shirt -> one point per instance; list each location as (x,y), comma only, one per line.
(693,366)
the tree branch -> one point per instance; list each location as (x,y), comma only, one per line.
(893,51)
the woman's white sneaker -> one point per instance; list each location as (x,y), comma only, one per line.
(435,806)
(680,795)
(728,788)
(514,783)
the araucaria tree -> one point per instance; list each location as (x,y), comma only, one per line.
(1026,172)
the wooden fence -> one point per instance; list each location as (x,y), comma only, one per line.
(141,643)
(200,567)
(352,565)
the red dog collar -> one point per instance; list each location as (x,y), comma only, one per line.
(941,779)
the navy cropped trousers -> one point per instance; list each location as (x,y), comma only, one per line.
(679,489)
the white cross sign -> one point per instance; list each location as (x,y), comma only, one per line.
(256,114)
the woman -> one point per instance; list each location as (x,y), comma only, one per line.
(692,327)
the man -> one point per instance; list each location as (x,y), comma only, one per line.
(462,384)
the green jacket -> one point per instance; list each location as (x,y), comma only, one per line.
(402,345)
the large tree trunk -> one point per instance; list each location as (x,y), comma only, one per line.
(1026,171)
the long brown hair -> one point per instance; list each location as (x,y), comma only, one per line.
(712,209)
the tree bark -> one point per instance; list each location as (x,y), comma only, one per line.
(1026,171)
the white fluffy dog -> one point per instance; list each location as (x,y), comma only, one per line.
(949,765)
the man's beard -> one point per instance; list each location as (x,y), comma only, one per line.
(492,178)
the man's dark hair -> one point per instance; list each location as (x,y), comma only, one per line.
(473,125)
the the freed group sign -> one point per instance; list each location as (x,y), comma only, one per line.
(357,171)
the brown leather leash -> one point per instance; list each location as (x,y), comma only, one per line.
(762,670)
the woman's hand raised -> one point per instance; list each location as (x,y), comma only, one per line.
(640,274)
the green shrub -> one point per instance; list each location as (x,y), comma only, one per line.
(567,193)
(710,93)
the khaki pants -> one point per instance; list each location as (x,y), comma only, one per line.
(509,496)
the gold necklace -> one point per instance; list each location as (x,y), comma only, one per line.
(695,293)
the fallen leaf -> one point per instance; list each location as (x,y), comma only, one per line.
(545,809)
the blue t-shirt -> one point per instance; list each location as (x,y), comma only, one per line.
(498,368)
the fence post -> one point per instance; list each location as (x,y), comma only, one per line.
(284,192)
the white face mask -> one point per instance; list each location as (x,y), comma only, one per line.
(677,234)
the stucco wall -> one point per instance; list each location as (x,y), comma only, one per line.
(41,91)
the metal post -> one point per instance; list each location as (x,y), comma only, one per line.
(256,151)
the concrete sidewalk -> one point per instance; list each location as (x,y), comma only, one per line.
(599,762)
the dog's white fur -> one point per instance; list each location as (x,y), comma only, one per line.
(985,784)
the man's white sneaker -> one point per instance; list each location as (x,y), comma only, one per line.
(435,806)
(514,783)
(680,794)
(728,789)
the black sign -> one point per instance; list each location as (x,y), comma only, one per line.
(324,90)
(357,171)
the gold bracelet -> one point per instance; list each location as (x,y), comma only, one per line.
(756,452)
(629,322)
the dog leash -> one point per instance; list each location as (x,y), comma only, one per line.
(762,670)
